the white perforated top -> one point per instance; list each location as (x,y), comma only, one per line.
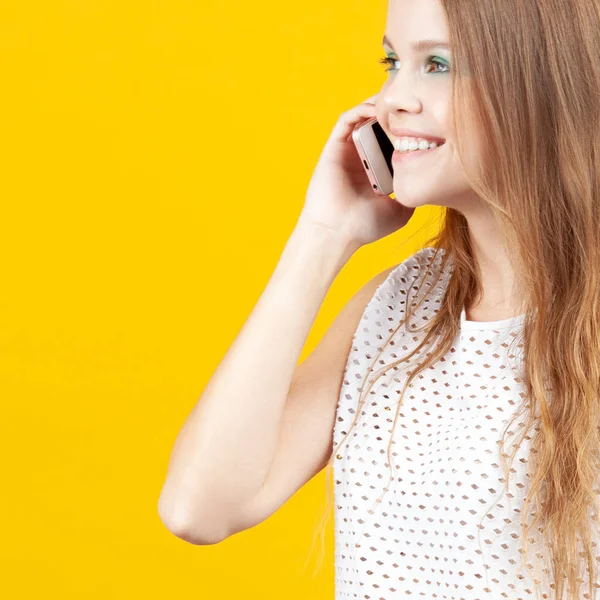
(445,528)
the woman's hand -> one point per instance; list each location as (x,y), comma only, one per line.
(340,196)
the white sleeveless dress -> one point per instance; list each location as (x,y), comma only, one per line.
(444,529)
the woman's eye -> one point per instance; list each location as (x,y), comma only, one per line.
(432,60)
(387,61)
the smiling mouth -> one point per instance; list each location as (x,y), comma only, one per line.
(399,156)
(405,144)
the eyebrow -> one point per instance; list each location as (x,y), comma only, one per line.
(421,45)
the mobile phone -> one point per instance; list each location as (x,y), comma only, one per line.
(375,150)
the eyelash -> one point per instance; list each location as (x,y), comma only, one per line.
(388,60)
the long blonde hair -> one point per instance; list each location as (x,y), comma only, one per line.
(528,85)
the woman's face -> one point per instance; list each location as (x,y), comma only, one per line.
(417,96)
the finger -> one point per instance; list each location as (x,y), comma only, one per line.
(347,122)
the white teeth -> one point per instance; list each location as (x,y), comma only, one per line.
(406,144)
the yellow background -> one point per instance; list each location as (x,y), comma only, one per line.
(155,158)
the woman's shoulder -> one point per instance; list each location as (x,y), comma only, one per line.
(412,268)
(393,286)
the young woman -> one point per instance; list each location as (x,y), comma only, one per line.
(456,396)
